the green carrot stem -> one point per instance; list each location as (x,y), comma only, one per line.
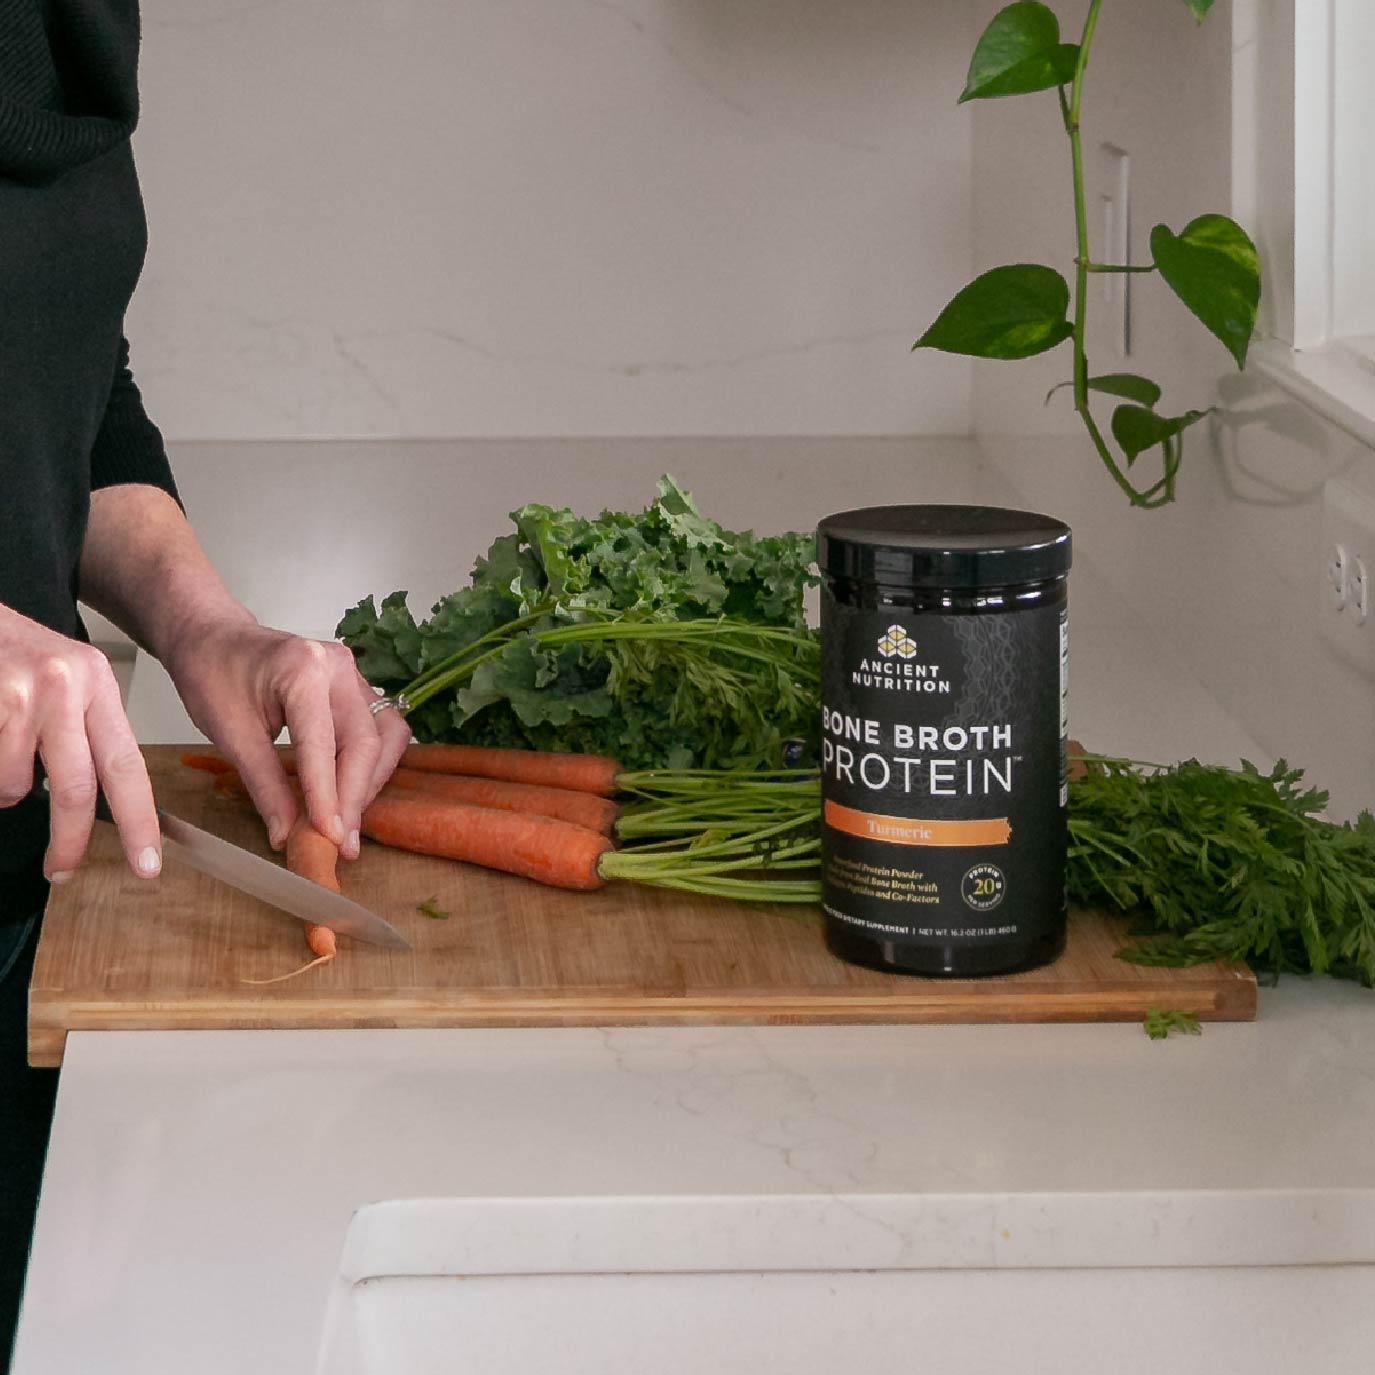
(802,854)
(780,781)
(743,890)
(747,844)
(638,828)
(725,807)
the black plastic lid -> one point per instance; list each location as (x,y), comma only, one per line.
(943,546)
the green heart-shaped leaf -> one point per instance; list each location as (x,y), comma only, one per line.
(1199,8)
(1127,384)
(1020,51)
(1008,312)
(1213,268)
(1136,429)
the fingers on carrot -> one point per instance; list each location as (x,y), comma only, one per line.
(563,804)
(588,773)
(536,847)
(312,855)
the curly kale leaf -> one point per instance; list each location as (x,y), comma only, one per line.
(633,699)
(386,643)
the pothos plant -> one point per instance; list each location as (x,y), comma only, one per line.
(1024,309)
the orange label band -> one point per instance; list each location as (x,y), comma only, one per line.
(906,830)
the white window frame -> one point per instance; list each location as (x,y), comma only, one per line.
(1303,183)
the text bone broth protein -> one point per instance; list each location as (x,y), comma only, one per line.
(944,737)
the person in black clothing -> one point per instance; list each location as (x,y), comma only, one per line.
(89,508)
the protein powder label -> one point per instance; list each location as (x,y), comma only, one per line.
(943,774)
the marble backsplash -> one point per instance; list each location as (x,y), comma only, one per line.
(421,219)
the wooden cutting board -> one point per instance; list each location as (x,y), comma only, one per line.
(119,953)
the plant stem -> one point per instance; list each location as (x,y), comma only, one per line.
(1116,267)
(1083,263)
(722,635)
(502,632)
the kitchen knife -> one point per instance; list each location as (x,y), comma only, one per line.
(250,873)
(262,879)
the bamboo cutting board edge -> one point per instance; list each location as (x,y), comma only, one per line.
(117,953)
(50,1024)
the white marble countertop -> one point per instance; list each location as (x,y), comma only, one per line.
(218,1164)
(186,1168)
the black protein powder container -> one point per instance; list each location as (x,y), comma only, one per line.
(944,737)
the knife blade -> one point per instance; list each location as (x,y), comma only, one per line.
(262,879)
(289,892)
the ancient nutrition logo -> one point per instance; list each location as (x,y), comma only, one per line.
(897,644)
(895,666)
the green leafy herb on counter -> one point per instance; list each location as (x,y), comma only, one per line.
(658,638)
(1221,863)
(431,908)
(1160,1022)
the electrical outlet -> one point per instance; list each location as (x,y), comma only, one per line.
(1347,560)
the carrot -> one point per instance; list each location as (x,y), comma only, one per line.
(315,857)
(537,847)
(582,773)
(563,804)
(587,773)
(211,763)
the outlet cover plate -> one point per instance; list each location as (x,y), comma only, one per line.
(1348,523)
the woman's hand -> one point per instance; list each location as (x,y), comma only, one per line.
(242,682)
(143,567)
(59,701)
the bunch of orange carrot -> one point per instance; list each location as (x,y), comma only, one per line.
(553,818)
(545,816)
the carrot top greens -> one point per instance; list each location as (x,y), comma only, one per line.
(659,639)
(1219,863)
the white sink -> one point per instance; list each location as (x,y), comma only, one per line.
(815,1285)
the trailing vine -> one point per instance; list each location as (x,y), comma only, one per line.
(1023,309)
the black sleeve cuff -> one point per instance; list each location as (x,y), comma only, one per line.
(128,446)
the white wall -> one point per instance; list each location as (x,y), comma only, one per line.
(1231,575)
(448,218)
(506,218)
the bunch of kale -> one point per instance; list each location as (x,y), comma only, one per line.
(651,701)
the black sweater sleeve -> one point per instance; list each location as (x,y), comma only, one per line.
(128,446)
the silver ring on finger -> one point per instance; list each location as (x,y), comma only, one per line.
(399,702)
